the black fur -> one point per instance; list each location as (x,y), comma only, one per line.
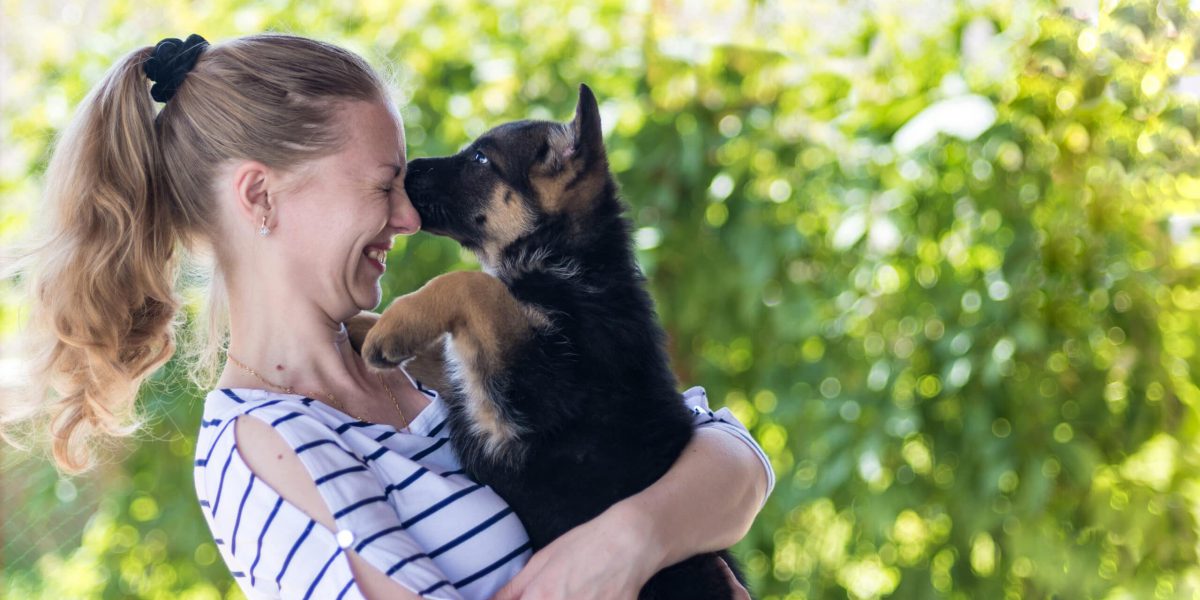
(593,392)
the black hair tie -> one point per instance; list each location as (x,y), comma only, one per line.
(170,63)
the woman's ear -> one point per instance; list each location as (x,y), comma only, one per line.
(251,183)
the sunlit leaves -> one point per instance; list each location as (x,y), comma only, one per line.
(937,257)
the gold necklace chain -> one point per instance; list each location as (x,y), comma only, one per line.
(342,407)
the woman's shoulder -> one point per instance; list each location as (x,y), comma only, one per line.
(300,420)
(221,404)
(310,426)
(224,404)
(225,401)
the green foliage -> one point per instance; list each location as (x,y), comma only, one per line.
(970,354)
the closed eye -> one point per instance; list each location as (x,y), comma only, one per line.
(385,187)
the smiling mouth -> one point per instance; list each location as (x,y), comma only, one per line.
(376,257)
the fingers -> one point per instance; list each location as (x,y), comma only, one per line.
(508,592)
(513,589)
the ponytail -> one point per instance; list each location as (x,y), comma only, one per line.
(128,193)
(101,278)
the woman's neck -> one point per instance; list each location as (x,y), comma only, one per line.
(307,352)
(312,354)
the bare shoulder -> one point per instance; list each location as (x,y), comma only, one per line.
(273,461)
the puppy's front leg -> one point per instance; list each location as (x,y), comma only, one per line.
(408,325)
(475,308)
(427,367)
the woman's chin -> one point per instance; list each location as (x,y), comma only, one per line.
(369,293)
(373,300)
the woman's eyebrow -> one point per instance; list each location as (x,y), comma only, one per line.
(395,168)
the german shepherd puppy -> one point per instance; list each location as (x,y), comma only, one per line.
(561,397)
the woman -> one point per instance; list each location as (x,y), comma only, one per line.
(284,158)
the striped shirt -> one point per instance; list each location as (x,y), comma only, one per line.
(399,499)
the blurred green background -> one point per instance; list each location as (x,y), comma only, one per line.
(940,257)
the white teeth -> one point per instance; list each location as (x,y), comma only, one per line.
(377,254)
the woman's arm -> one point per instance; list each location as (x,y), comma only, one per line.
(706,501)
(274,461)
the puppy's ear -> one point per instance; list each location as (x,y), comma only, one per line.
(589,139)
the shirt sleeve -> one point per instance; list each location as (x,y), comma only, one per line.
(723,420)
(274,549)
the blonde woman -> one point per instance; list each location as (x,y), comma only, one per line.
(284,158)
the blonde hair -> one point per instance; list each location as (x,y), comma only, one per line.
(127,192)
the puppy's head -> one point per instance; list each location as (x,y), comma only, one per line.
(505,183)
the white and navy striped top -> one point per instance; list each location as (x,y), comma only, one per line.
(399,499)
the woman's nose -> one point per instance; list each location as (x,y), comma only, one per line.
(404,216)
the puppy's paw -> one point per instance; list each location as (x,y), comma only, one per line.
(399,335)
(385,350)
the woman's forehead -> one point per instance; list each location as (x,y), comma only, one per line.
(375,133)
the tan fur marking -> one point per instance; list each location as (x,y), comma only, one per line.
(494,318)
(506,221)
(485,418)
(553,193)
(550,177)
(550,188)
(589,187)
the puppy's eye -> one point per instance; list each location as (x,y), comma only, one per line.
(480,158)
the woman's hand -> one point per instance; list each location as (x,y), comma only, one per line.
(591,562)
(607,558)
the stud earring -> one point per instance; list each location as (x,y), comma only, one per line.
(263,231)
